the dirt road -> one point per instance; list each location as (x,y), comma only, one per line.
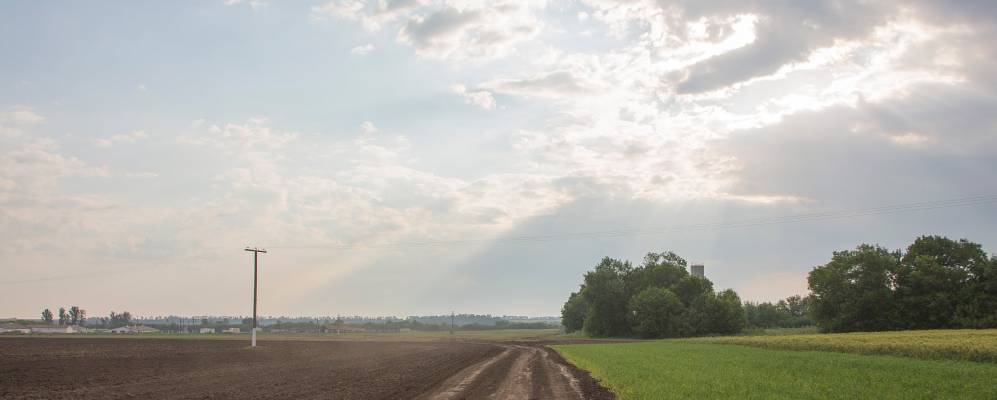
(520,371)
(83,368)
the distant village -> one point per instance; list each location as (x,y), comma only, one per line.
(75,321)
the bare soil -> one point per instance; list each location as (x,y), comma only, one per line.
(112,368)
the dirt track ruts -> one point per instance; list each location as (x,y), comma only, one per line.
(83,368)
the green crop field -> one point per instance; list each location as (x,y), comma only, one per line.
(679,369)
(961,344)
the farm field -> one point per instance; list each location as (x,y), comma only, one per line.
(960,344)
(153,368)
(698,370)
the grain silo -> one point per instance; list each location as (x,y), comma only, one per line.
(698,270)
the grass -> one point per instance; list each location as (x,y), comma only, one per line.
(674,369)
(962,344)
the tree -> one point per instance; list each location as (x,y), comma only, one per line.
(75,317)
(853,292)
(63,317)
(938,283)
(119,320)
(573,313)
(617,299)
(658,270)
(606,298)
(47,316)
(726,313)
(690,288)
(658,312)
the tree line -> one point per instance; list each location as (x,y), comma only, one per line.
(78,317)
(74,316)
(792,312)
(658,298)
(936,283)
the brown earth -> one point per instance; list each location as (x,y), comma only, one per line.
(112,368)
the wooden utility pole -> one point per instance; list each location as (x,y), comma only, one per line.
(256,256)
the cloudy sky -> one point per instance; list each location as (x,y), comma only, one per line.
(420,156)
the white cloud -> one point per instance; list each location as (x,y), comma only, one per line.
(20,116)
(910,139)
(480,98)
(362,50)
(254,4)
(449,29)
(130,137)
(555,84)
(368,128)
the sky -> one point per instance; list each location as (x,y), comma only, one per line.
(413,157)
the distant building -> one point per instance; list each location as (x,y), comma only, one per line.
(207,330)
(55,329)
(698,270)
(15,330)
(232,330)
(134,329)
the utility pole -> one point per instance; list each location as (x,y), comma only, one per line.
(256,255)
(451,323)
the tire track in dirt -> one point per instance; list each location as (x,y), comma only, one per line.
(520,371)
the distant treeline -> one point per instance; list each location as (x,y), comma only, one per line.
(462,319)
(409,324)
(658,298)
(793,312)
(936,283)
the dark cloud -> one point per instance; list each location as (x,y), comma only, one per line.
(445,22)
(786,31)
(859,155)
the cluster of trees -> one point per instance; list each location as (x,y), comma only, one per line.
(935,283)
(114,320)
(659,298)
(793,312)
(415,325)
(75,316)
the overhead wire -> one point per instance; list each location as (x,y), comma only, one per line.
(745,223)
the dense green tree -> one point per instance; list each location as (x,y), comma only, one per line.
(763,315)
(658,298)
(936,283)
(47,316)
(726,313)
(853,292)
(573,313)
(658,312)
(606,299)
(663,270)
(792,312)
(979,298)
(690,288)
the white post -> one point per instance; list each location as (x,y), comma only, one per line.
(254,337)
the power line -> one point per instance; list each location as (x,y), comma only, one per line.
(746,223)
(529,239)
